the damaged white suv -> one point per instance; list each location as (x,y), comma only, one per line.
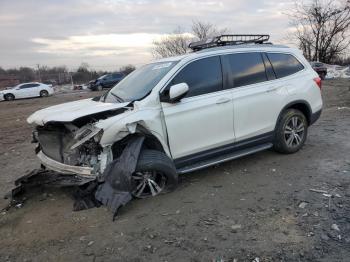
(221,102)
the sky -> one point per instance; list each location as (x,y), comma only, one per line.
(107,34)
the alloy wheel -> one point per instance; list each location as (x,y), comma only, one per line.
(294,131)
(148,183)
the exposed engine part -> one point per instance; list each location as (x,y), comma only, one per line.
(71,145)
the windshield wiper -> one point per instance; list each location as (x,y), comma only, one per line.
(119,99)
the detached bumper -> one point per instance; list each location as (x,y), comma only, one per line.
(63,168)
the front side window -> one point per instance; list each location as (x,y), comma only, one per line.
(202,76)
(247,68)
(284,64)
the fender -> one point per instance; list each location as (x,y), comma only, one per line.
(306,107)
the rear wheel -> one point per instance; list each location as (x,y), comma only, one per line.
(9,97)
(155,173)
(291,132)
(44,93)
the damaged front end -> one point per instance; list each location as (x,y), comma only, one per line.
(68,148)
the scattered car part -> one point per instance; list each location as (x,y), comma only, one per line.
(117,187)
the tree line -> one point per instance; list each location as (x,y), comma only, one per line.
(60,74)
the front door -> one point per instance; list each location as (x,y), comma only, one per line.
(203,119)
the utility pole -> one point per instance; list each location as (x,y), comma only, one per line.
(38,65)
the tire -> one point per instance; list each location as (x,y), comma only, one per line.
(44,93)
(9,97)
(291,132)
(158,167)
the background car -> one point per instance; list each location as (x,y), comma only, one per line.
(320,69)
(106,81)
(26,90)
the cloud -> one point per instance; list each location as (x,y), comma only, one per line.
(118,31)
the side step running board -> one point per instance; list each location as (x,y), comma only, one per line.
(224,158)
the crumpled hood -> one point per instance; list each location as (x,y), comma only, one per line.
(68,112)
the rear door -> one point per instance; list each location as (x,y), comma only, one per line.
(202,120)
(257,97)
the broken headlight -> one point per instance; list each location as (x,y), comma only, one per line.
(86,133)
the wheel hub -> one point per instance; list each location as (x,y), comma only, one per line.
(294,131)
(147,183)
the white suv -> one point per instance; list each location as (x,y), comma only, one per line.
(193,111)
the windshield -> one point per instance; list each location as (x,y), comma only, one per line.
(139,83)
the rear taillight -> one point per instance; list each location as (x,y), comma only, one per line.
(318,82)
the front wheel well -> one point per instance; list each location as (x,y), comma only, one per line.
(150,142)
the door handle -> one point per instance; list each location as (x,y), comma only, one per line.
(223,100)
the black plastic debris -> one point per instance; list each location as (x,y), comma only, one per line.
(113,189)
(116,190)
(42,177)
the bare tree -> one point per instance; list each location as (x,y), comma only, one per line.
(171,45)
(177,43)
(127,69)
(204,30)
(322,28)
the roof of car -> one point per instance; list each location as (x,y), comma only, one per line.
(226,49)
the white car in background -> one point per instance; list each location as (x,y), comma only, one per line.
(26,90)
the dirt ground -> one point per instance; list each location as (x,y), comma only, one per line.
(258,208)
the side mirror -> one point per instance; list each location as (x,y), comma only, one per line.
(176,92)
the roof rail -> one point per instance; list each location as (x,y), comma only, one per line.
(224,40)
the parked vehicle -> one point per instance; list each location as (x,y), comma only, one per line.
(228,99)
(26,90)
(106,81)
(320,69)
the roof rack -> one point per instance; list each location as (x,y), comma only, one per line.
(224,40)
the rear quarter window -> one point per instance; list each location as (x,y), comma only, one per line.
(246,68)
(284,64)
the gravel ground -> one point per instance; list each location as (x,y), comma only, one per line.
(258,208)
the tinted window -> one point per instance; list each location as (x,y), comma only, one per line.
(202,76)
(247,68)
(284,64)
(26,86)
(117,75)
(268,68)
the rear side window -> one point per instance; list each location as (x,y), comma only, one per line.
(202,76)
(247,69)
(26,86)
(284,64)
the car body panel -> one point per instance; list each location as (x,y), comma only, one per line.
(70,111)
